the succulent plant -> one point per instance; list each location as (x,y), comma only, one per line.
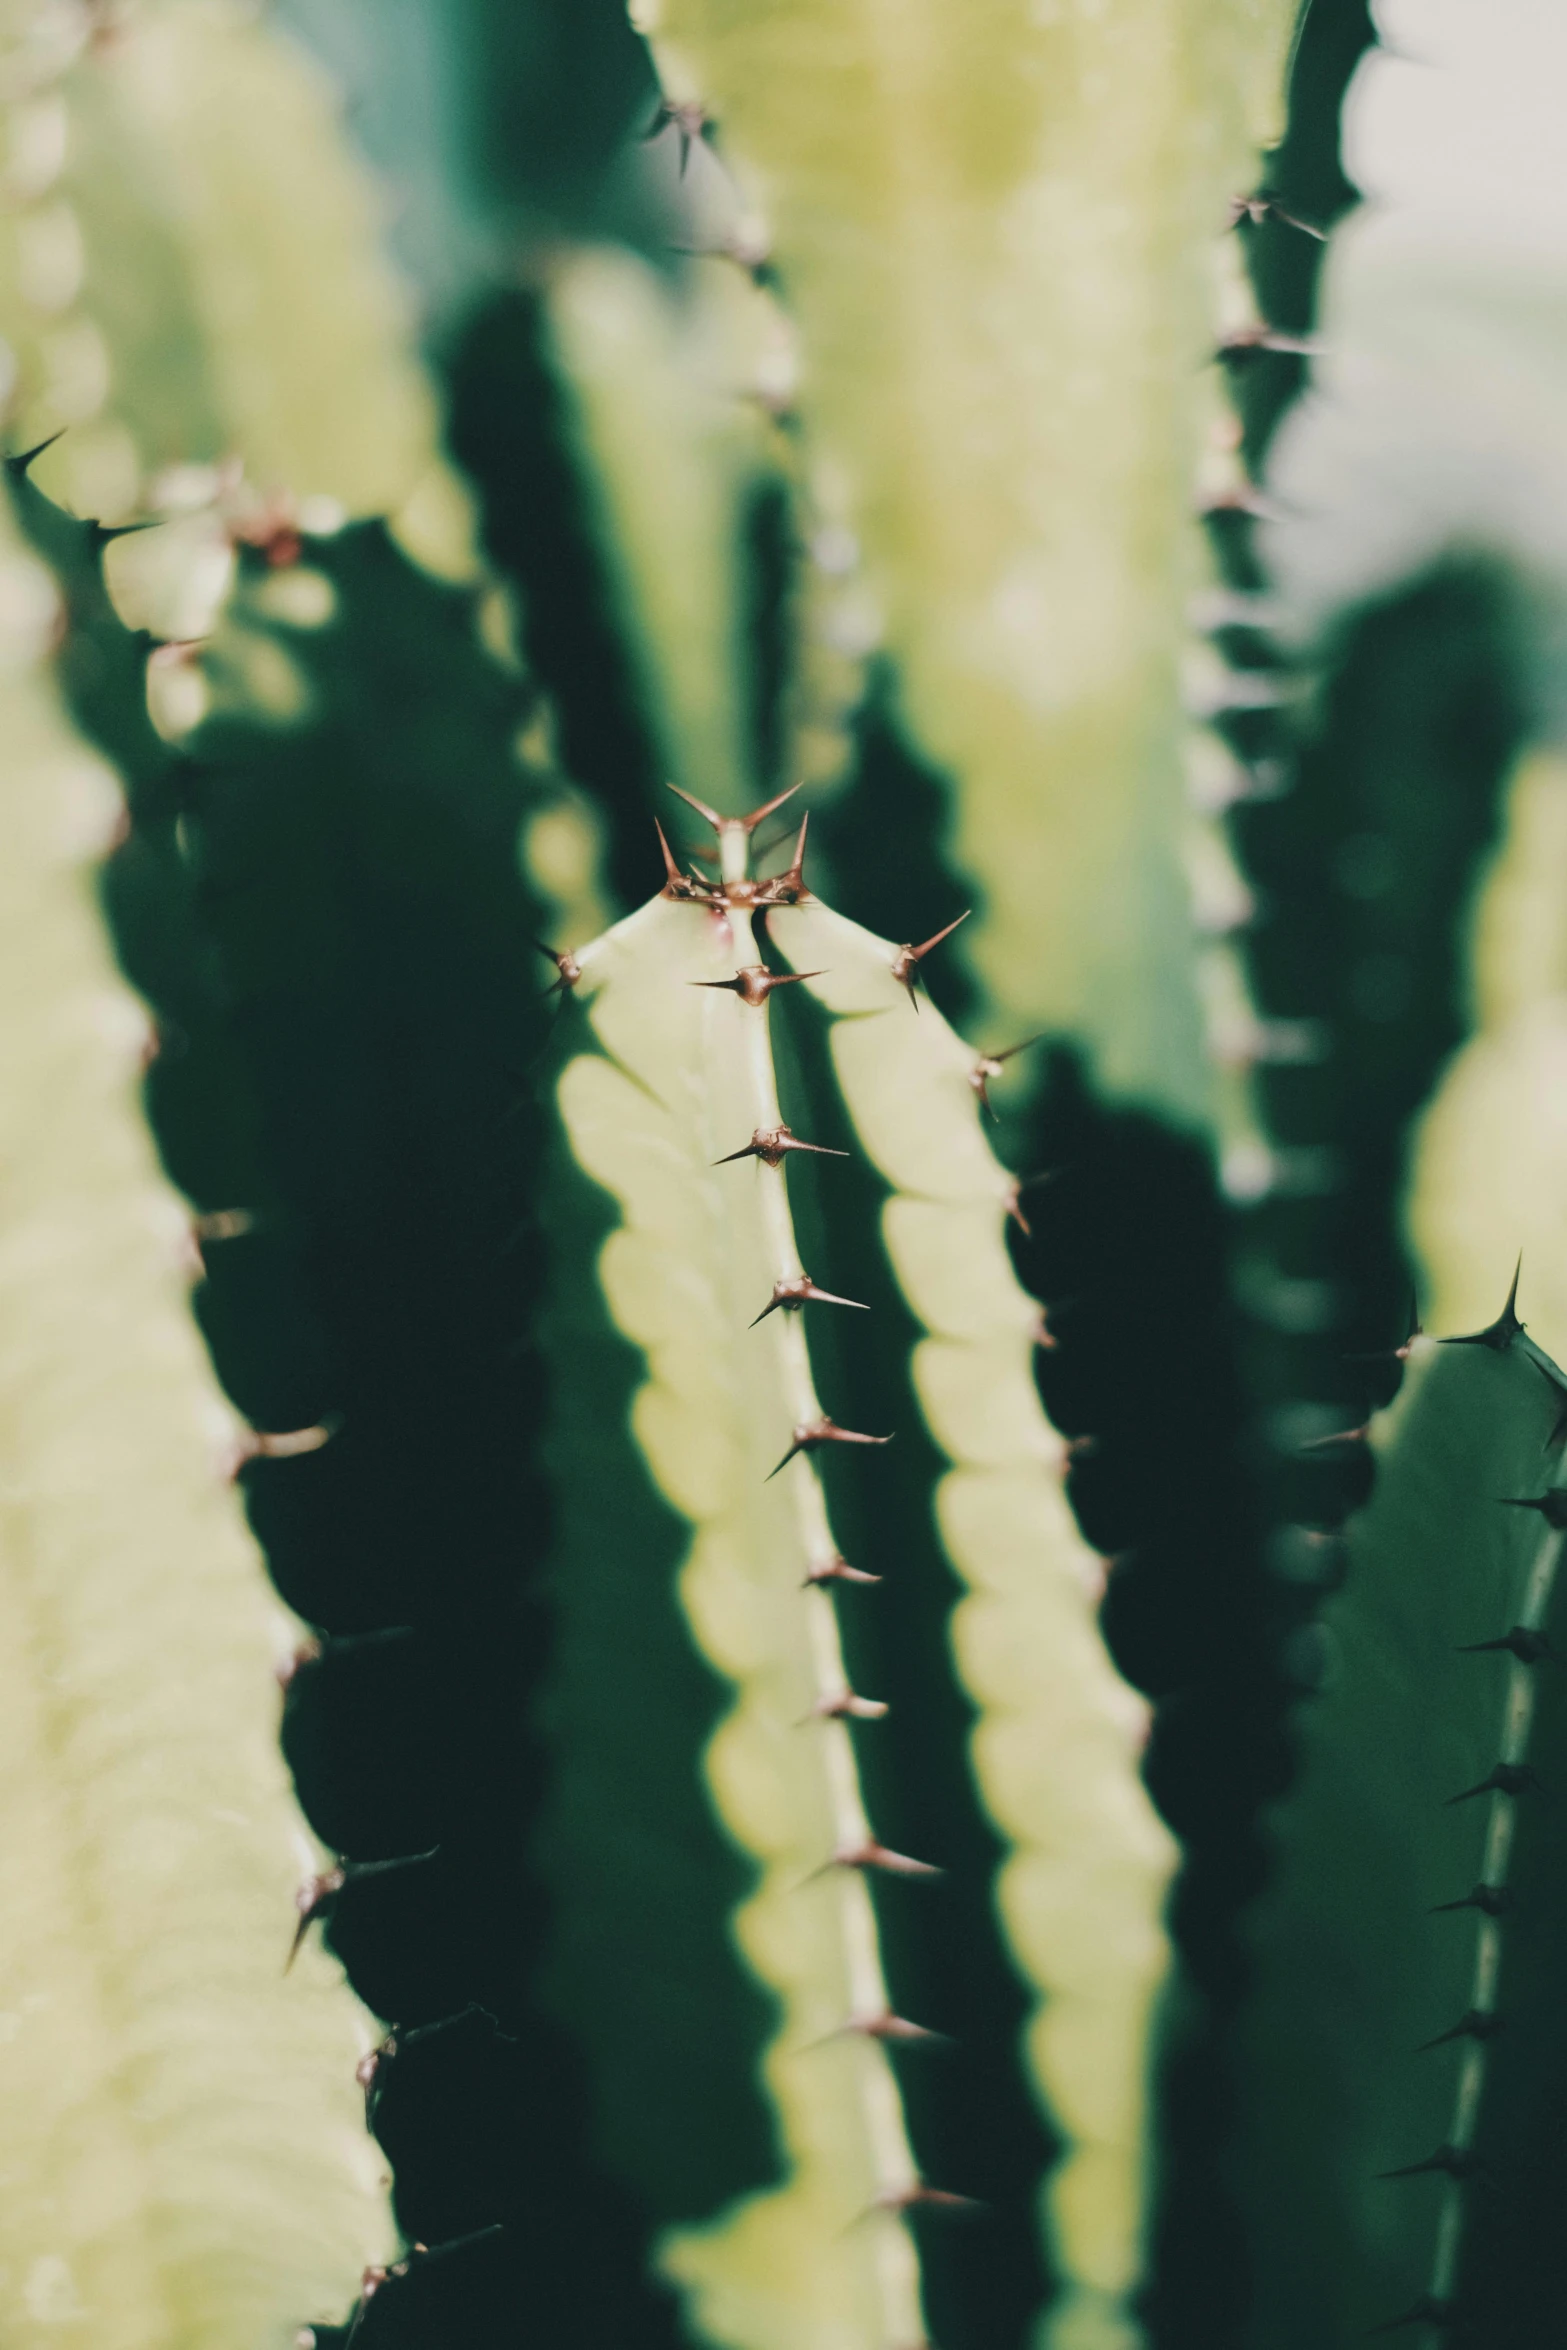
(692,1460)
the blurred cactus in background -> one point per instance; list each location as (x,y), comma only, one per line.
(745,1899)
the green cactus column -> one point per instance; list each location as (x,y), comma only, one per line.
(182,2145)
(990,237)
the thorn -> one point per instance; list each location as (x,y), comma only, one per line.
(1528,1646)
(905,969)
(1506,1779)
(307,1653)
(1497,1335)
(1475,2024)
(678,885)
(788,888)
(919,2197)
(1261,207)
(810,1434)
(566,964)
(1247,341)
(105,533)
(844,1705)
(773,1143)
(1013,1197)
(1395,1354)
(745,824)
(755,983)
(1337,1436)
(316,1895)
(1456,2162)
(990,1065)
(888,2026)
(694,123)
(871,1855)
(313,1900)
(838,1570)
(1490,1900)
(790,1296)
(1552,1506)
(21,465)
(1427,2311)
(375,2277)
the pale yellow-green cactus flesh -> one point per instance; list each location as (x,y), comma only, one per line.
(1489,1171)
(995,231)
(183,2164)
(684,1078)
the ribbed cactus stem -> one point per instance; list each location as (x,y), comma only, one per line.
(1518,1712)
(691,1074)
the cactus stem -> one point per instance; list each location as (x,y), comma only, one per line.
(809,1435)
(836,1570)
(905,969)
(773,1144)
(865,1986)
(1497,1335)
(754,983)
(790,1296)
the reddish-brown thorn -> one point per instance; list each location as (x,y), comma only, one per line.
(678,885)
(1013,1197)
(905,969)
(843,1705)
(773,1143)
(888,2026)
(838,1570)
(566,964)
(1247,340)
(788,888)
(919,2197)
(223,1224)
(313,1899)
(723,824)
(1337,1436)
(260,1444)
(790,1296)
(812,1433)
(755,983)
(871,1855)
(990,1065)
(307,1653)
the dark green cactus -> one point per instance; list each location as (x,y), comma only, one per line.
(1404,2067)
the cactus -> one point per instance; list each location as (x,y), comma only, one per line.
(181,2141)
(977,1512)
(1398,2144)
